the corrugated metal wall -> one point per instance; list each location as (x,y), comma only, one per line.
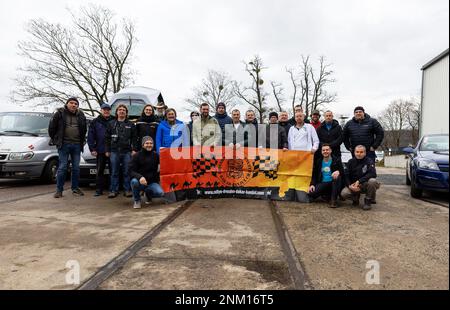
(435,102)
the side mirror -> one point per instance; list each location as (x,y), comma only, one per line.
(408,150)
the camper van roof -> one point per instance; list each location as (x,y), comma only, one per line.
(148,95)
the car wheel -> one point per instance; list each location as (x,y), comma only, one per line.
(49,173)
(415,192)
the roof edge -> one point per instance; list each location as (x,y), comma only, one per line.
(435,59)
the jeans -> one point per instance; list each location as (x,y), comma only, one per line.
(152,190)
(74,151)
(329,189)
(102,160)
(117,161)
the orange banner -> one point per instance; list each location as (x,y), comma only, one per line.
(225,167)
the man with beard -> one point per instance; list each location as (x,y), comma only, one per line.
(222,118)
(206,130)
(67,130)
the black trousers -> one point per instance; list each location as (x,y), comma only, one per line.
(329,189)
(102,160)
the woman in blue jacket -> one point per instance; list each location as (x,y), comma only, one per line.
(171,130)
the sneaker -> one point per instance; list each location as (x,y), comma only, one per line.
(112,195)
(137,205)
(98,193)
(77,192)
(128,194)
(58,195)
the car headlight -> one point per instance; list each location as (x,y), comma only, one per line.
(21,156)
(427,164)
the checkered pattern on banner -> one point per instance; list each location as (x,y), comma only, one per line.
(267,166)
(202,165)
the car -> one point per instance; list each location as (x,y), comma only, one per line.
(135,98)
(379,156)
(427,165)
(25,152)
(345,155)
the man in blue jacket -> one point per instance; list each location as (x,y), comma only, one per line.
(363,130)
(222,118)
(96,143)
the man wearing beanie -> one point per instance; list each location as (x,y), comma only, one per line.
(67,130)
(363,130)
(222,118)
(275,134)
(144,173)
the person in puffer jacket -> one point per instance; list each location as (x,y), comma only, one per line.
(363,130)
(171,132)
(222,118)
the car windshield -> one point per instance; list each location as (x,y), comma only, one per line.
(134,109)
(434,143)
(24,123)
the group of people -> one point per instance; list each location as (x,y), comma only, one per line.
(133,147)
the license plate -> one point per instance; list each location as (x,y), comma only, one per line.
(94,171)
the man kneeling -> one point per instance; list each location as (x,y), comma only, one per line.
(361,179)
(327,175)
(144,173)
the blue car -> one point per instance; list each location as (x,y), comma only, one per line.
(427,165)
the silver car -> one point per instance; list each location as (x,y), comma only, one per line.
(25,152)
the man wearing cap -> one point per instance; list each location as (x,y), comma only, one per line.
(144,173)
(297,108)
(222,118)
(160,113)
(275,134)
(315,119)
(363,130)
(67,130)
(96,142)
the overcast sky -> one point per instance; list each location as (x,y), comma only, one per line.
(377,47)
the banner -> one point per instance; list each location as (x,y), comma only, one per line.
(228,172)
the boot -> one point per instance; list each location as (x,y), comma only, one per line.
(367,204)
(333,204)
(355,202)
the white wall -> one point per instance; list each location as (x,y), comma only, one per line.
(435,102)
(397,161)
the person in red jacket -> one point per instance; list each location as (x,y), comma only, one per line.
(315,119)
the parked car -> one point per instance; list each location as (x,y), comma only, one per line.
(345,155)
(427,165)
(25,152)
(379,156)
(135,98)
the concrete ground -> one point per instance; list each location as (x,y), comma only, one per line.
(226,243)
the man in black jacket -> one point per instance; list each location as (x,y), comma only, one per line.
(330,132)
(361,179)
(120,145)
(275,133)
(327,174)
(363,130)
(144,173)
(67,130)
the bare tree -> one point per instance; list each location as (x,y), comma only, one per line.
(400,116)
(413,119)
(254,95)
(216,87)
(277,90)
(295,86)
(91,57)
(309,85)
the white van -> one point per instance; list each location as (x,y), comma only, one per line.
(25,152)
